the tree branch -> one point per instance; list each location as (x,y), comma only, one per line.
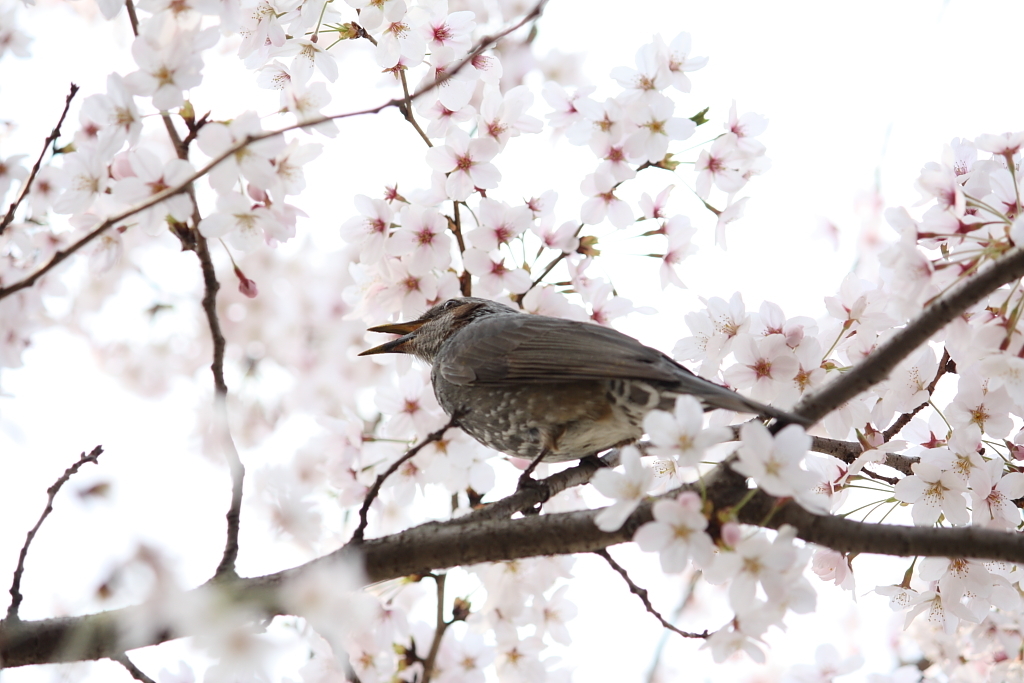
(51,493)
(642,594)
(50,139)
(439,545)
(880,362)
(357,537)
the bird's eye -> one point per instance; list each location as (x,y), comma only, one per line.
(449,305)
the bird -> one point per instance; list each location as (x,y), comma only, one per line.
(548,389)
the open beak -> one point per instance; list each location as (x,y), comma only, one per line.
(407,330)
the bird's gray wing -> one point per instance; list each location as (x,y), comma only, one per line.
(531,349)
(536,349)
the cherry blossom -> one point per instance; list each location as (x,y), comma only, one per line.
(467,163)
(774,461)
(627,488)
(677,533)
(681,434)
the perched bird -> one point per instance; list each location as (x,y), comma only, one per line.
(547,388)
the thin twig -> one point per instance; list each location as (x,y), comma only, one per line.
(357,537)
(642,594)
(51,493)
(155,199)
(50,139)
(439,629)
(676,613)
(132,17)
(406,110)
(945,365)
(543,489)
(123,660)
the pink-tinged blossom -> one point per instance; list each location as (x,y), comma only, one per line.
(650,76)
(774,461)
(1004,370)
(656,127)
(410,407)
(402,40)
(308,56)
(992,496)
(244,224)
(942,614)
(407,293)
(827,666)
(600,187)
(975,404)
(831,565)
(859,304)
(261,29)
(16,40)
(423,239)
(551,615)
(492,276)
(467,162)
(766,367)
(369,230)
(562,238)
(756,560)
(499,224)
(731,213)
(746,128)
(940,183)
(169,62)
(305,101)
(153,176)
(567,117)
(503,115)
(373,13)
(288,167)
(442,29)
(252,161)
(114,109)
(85,175)
(626,488)
(655,208)
(440,118)
(677,533)
(11,171)
(1007,143)
(678,60)
(721,166)
(681,434)
(613,157)
(679,233)
(933,492)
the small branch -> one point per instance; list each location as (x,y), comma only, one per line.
(530,497)
(945,365)
(210,287)
(683,602)
(357,537)
(642,594)
(847,451)
(16,597)
(439,630)
(50,139)
(123,660)
(132,17)
(406,110)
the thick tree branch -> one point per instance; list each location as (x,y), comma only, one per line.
(439,545)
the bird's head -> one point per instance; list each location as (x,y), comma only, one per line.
(424,336)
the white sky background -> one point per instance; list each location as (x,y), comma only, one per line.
(852,92)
